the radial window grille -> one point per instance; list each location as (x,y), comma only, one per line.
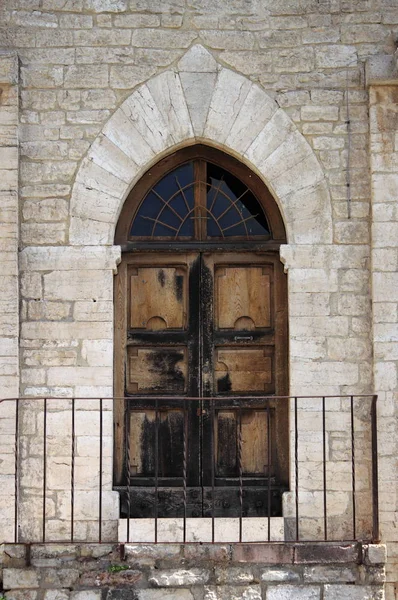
(197,201)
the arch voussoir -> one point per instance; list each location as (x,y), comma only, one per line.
(199,101)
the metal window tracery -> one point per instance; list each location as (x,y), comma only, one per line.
(219,199)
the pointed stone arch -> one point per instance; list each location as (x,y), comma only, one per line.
(200,101)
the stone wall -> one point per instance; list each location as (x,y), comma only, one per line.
(9,281)
(270,82)
(193,572)
(384,154)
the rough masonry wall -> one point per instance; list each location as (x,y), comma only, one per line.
(193,572)
(9,281)
(80,59)
(384,167)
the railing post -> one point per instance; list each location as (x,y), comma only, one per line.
(16,474)
(375,474)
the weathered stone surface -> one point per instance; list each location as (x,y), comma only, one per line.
(20,578)
(182,577)
(252,592)
(285,592)
(335,592)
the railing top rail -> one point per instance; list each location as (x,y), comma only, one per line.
(192,398)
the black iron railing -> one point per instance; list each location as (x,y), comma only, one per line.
(61,482)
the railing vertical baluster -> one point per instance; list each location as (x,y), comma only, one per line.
(128,465)
(156,467)
(44,468)
(185,463)
(269,450)
(213,458)
(16,474)
(353,468)
(240,471)
(375,475)
(100,472)
(325,524)
(296,466)
(72,475)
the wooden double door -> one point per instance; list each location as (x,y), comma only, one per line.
(201,339)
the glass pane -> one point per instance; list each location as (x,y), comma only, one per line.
(233,209)
(166,210)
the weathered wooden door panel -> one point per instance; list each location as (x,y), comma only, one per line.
(201,325)
(158,298)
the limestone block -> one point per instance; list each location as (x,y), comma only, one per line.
(8,157)
(386,376)
(167,92)
(89,446)
(181,577)
(94,176)
(197,60)
(360,592)
(198,90)
(42,77)
(223,114)
(305,348)
(334,56)
(69,258)
(87,507)
(157,38)
(93,311)
(286,592)
(79,376)
(352,233)
(353,304)
(52,209)
(89,203)
(275,574)
(305,173)
(348,349)
(143,112)
(20,578)
(313,280)
(275,131)
(94,391)
(45,190)
(98,353)
(311,505)
(385,332)
(385,286)
(296,60)
(319,113)
(8,347)
(307,304)
(122,132)
(252,592)
(256,111)
(101,37)
(31,285)
(385,187)
(43,233)
(90,232)
(78,285)
(66,331)
(48,311)
(319,326)
(9,287)
(108,156)
(165,595)
(233,575)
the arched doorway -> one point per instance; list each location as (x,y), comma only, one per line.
(201,312)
